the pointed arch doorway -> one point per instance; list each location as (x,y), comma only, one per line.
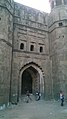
(30,81)
(31,78)
(26,82)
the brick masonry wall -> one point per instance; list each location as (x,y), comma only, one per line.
(6,31)
(30,28)
(58,49)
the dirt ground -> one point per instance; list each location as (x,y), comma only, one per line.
(35,110)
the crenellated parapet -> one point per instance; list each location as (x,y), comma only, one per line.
(30,17)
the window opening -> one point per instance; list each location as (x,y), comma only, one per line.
(63,36)
(60,24)
(21,46)
(32,48)
(41,49)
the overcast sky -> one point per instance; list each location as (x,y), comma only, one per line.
(42,5)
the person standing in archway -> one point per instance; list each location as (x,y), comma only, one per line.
(38,96)
(28,97)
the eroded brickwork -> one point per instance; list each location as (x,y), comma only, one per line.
(58,47)
(6,31)
(30,29)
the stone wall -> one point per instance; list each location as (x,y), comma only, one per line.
(58,49)
(6,31)
(30,37)
(30,17)
(30,28)
(5,71)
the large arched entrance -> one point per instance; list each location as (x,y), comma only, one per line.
(30,80)
(26,82)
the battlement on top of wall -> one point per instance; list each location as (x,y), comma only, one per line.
(30,17)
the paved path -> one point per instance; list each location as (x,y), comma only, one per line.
(35,110)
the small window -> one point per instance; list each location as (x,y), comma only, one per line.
(32,48)
(21,46)
(63,36)
(41,49)
(60,24)
(0,18)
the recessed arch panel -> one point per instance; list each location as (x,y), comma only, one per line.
(31,78)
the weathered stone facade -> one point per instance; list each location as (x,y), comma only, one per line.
(33,53)
(57,24)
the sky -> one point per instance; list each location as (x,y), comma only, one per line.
(42,5)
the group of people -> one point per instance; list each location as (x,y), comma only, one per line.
(28,97)
(38,96)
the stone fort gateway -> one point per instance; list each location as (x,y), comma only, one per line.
(33,51)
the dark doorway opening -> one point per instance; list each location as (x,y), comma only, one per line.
(30,81)
(26,83)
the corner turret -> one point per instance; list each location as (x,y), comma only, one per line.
(55,3)
(57,25)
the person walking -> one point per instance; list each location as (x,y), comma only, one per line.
(38,96)
(28,97)
(62,98)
